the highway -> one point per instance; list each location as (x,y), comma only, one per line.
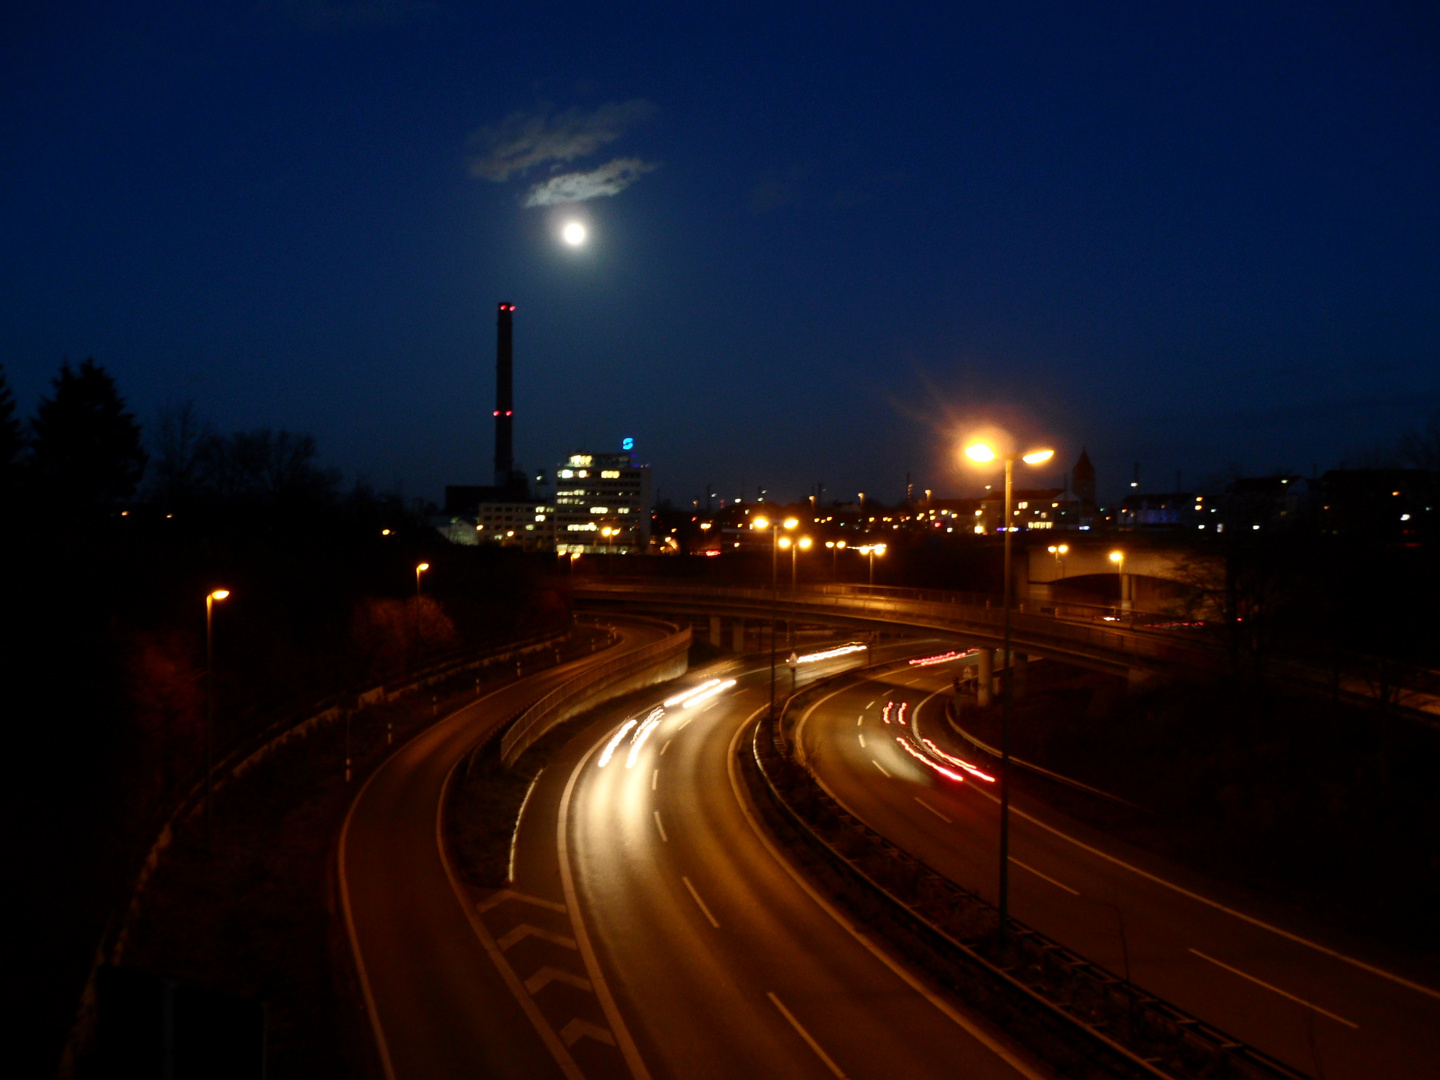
(438,1006)
(650,930)
(1329,1007)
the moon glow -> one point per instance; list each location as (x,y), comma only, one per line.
(573,233)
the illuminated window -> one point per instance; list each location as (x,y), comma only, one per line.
(610,474)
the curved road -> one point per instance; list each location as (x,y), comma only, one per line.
(1329,1008)
(650,931)
(437,1004)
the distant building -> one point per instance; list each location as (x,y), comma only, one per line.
(1387,505)
(1178,510)
(526,524)
(1031,508)
(602,503)
(1254,503)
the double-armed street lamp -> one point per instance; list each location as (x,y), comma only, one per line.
(871,550)
(774,527)
(835,546)
(211,598)
(982,453)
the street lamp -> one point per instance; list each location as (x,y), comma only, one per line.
(982,453)
(1118,558)
(1059,551)
(774,527)
(872,550)
(835,546)
(210,600)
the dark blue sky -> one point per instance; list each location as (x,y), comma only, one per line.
(1196,238)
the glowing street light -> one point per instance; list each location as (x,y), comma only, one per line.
(1118,558)
(835,546)
(1059,551)
(761,523)
(211,599)
(871,550)
(982,453)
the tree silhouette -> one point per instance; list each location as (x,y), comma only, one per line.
(12,439)
(86,449)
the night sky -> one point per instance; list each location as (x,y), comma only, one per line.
(823,237)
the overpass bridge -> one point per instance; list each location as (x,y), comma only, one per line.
(1080,636)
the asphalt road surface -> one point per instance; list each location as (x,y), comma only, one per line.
(650,930)
(1335,1008)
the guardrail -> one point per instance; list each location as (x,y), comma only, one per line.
(1027,982)
(586,689)
(939,610)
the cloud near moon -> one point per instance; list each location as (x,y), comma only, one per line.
(609,179)
(527,140)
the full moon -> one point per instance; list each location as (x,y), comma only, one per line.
(573,234)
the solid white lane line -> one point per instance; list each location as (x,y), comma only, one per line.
(1276,989)
(618,1027)
(880,767)
(654,779)
(515,833)
(862,738)
(1334,954)
(697,899)
(1045,877)
(806,1036)
(960,1020)
(932,810)
(660,827)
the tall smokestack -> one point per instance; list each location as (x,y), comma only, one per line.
(504,397)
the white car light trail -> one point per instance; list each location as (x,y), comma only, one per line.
(829,654)
(696,699)
(680,699)
(609,750)
(641,734)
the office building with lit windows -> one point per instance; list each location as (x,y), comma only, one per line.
(602,504)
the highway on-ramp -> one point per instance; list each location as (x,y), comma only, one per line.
(1333,1008)
(437,1005)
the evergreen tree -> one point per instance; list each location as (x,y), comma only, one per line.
(12,439)
(86,449)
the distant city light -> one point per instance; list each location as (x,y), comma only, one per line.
(627,444)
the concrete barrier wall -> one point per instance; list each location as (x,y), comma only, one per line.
(654,663)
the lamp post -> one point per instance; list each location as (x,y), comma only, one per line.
(871,550)
(835,546)
(210,600)
(1118,558)
(981,452)
(774,527)
(1059,551)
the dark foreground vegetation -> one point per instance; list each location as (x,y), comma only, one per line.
(107,552)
